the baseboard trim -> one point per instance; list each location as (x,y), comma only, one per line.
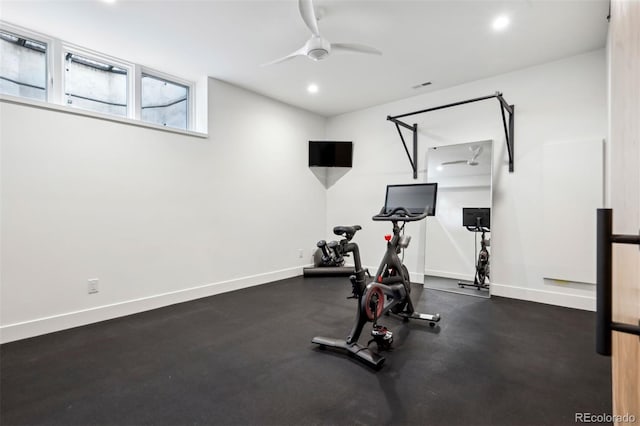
(575,301)
(37,327)
(416,277)
(446,274)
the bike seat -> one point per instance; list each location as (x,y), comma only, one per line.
(347,231)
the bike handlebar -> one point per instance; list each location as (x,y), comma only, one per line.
(400,214)
(478,229)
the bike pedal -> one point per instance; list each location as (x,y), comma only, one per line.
(380,332)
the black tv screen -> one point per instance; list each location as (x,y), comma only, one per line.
(476,217)
(330,154)
(417,198)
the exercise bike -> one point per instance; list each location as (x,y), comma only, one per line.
(481,225)
(389,292)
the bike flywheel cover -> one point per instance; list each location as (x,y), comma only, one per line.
(380,305)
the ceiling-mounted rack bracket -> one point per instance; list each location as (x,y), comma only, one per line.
(508,124)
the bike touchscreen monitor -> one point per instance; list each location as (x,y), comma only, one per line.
(476,217)
(417,198)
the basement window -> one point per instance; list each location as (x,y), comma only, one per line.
(164,102)
(23,66)
(95,85)
(47,72)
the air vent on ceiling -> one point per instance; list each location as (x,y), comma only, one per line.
(418,86)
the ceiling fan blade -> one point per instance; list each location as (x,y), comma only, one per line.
(354,48)
(447,163)
(309,16)
(476,153)
(299,52)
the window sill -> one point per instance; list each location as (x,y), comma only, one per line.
(123,120)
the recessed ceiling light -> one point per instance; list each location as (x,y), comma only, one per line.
(312,88)
(109,1)
(500,23)
(439,168)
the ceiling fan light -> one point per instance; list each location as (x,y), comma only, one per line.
(318,54)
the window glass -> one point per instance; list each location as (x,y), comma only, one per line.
(95,85)
(164,102)
(89,81)
(23,67)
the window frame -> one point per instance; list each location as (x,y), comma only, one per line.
(49,54)
(55,99)
(67,48)
(190,86)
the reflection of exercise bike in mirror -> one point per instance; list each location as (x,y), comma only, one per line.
(478,220)
(390,290)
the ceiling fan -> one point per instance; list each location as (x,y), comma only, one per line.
(475,153)
(317,47)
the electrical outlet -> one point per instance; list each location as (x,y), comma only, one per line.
(300,253)
(92,287)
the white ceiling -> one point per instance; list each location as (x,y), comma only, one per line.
(447,42)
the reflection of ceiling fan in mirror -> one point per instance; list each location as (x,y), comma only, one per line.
(475,153)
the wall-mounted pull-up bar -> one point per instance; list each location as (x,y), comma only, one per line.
(508,128)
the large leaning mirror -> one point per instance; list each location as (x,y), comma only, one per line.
(457,245)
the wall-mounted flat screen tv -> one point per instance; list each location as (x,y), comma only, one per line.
(330,154)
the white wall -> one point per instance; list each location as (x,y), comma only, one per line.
(559,101)
(158,217)
(161,218)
